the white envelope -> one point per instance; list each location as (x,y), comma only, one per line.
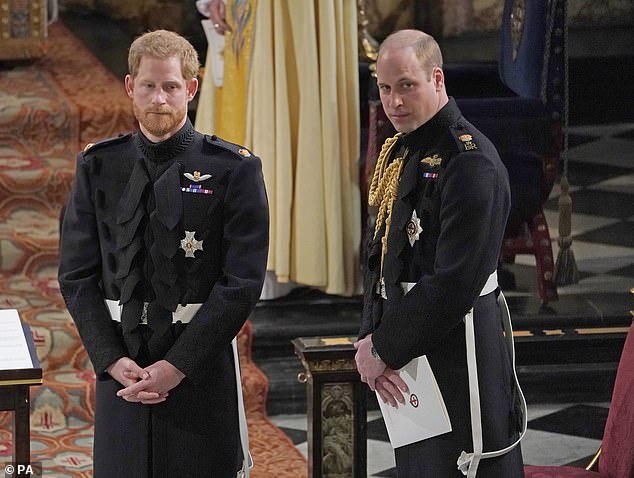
(423,415)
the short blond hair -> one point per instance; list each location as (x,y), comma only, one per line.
(164,44)
(424,45)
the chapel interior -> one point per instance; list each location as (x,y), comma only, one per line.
(62,64)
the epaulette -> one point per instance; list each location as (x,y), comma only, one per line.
(234,148)
(463,139)
(90,147)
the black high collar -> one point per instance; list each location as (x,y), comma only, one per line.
(432,129)
(168,149)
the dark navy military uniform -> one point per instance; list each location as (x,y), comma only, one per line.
(154,228)
(454,180)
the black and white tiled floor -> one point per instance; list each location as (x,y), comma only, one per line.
(601,174)
(561,434)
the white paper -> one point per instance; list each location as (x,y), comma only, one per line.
(423,415)
(216,46)
(14,352)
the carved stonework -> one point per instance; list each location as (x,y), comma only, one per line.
(139,15)
(590,13)
(23,29)
(368,46)
(337,365)
(518,13)
(383,17)
(337,430)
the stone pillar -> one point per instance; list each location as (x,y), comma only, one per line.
(336,407)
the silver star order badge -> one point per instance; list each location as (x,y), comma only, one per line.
(413,229)
(190,244)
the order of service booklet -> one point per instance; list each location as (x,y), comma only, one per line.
(423,415)
(14,351)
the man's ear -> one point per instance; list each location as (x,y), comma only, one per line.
(129,85)
(192,88)
(438,77)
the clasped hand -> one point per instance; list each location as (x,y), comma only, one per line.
(149,385)
(379,377)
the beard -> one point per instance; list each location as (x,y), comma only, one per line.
(159,120)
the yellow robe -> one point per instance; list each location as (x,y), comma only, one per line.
(302,120)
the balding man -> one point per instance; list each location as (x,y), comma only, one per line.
(443,199)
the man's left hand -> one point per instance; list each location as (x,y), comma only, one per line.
(391,387)
(162,377)
(368,366)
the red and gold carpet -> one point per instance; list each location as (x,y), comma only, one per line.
(51,108)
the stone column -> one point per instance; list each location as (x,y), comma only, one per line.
(336,407)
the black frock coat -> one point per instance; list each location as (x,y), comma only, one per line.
(183,222)
(455,181)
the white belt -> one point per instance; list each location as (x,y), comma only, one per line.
(490,286)
(468,462)
(183,313)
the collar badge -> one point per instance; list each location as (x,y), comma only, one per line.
(467,140)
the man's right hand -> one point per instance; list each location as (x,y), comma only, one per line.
(126,371)
(217,14)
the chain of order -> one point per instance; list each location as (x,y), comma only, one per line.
(384,188)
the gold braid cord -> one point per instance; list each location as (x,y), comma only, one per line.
(384,188)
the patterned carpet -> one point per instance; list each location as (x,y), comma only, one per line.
(50,109)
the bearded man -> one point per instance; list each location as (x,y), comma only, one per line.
(162,257)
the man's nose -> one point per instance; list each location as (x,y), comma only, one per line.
(396,99)
(159,96)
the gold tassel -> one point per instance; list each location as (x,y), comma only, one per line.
(565,268)
(383,192)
